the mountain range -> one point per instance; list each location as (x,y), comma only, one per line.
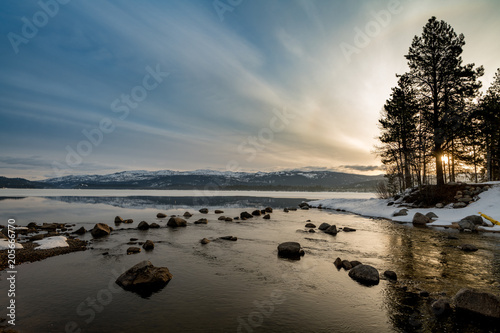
(206,179)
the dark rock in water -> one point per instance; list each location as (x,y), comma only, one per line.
(256,212)
(133,249)
(262,211)
(431,215)
(293,209)
(304,205)
(32,225)
(424,293)
(204,241)
(332,230)
(268,210)
(218,211)
(338,263)
(452,237)
(285,210)
(154,225)
(347,229)
(201,221)
(245,215)
(118,219)
(291,250)
(441,306)
(402,212)
(221,218)
(485,304)
(161,215)
(80,231)
(204,210)
(230,238)
(148,245)
(187,215)
(143,225)
(391,275)
(100,230)
(311,230)
(228,219)
(475,219)
(465,225)
(133,239)
(128,221)
(324,226)
(175,222)
(310,225)
(267,217)
(420,219)
(355,263)
(468,248)
(346,264)
(365,274)
(144,278)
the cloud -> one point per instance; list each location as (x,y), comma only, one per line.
(363,167)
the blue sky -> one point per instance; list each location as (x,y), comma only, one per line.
(105,86)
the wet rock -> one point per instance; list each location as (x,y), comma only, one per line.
(338,263)
(347,229)
(355,263)
(459,205)
(245,215)
(391,275)
(143,225)
(468,247)
(262,211)
(420,219)
(441,306)
(402,212)
(148,245)
(154,225)
(304,205)
(268,210)
(476,220)
(204,210)
(466,225)
(439,205)
(332,230)
(175,222)
(291,250)
(485,304)
(285,210)
(310,225)
(256,212)
(80,231)
(229,238)
(424,293)
(118,219)
(267,217)
(221,218)
(218,211)
(324,226)
(431,215)
(161,215)
(205,241)
(228,219)
(201,221)
(100,230)
(187,215)
(365,274)
(144,277)
(133,249)
(293,209)
(128,221)
(346,264)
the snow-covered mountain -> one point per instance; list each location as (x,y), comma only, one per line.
(200,179)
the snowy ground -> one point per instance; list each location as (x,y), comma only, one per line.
(4,244)
(51,242)
(488,203)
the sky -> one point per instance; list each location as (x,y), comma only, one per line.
(96,87)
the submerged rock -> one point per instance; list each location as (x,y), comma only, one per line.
(468,247)
(218,211)
(347,229)
(175,222)
(485,304)
(187,215)
(201,221)
(310,225)
(268,210)
(332,230)
(144,277)
(154,225)
(324,226)
(204,210)
(143,225)
(245,215)
(365,274)
(133,249)
(267,217)
(205,241)
(229,238)
(160,215)
(291,250)
(256,212)
(148,245)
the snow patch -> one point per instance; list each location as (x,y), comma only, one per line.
(51,242)
(4,245)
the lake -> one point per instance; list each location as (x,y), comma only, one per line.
(240,286)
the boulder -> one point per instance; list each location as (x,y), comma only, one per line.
(441,306)
(143,225)
(485,304)
(161,215)
(204,210)
(338,263)
(268,210)
(175,222)
(204,241)
(439,205)
(154,225)
(332,230)
(346,264)
(256,212)
(148,245)
(459,205)
(355,263)
(431,215)
(464,225)
(267,217)
(218,211)
(291,250)
(310,225)
(245,215)
(468,247)
(80,231)
(476,219)
(144,277)
(230,238)
(391,275)
(420,219)
(187,215)
(118,219)
(402,212)
(347,229)
(133,249)
(201,221)
(365,274)
(100,230)
(324,226)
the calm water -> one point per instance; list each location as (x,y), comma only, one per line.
(243,286)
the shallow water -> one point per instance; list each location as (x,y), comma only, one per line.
(243,286)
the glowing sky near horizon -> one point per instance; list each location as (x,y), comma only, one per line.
(107,86)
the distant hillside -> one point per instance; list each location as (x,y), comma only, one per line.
(21,183)
(215,180)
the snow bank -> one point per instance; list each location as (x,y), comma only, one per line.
(51,242)
(4,244)
(488,203)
